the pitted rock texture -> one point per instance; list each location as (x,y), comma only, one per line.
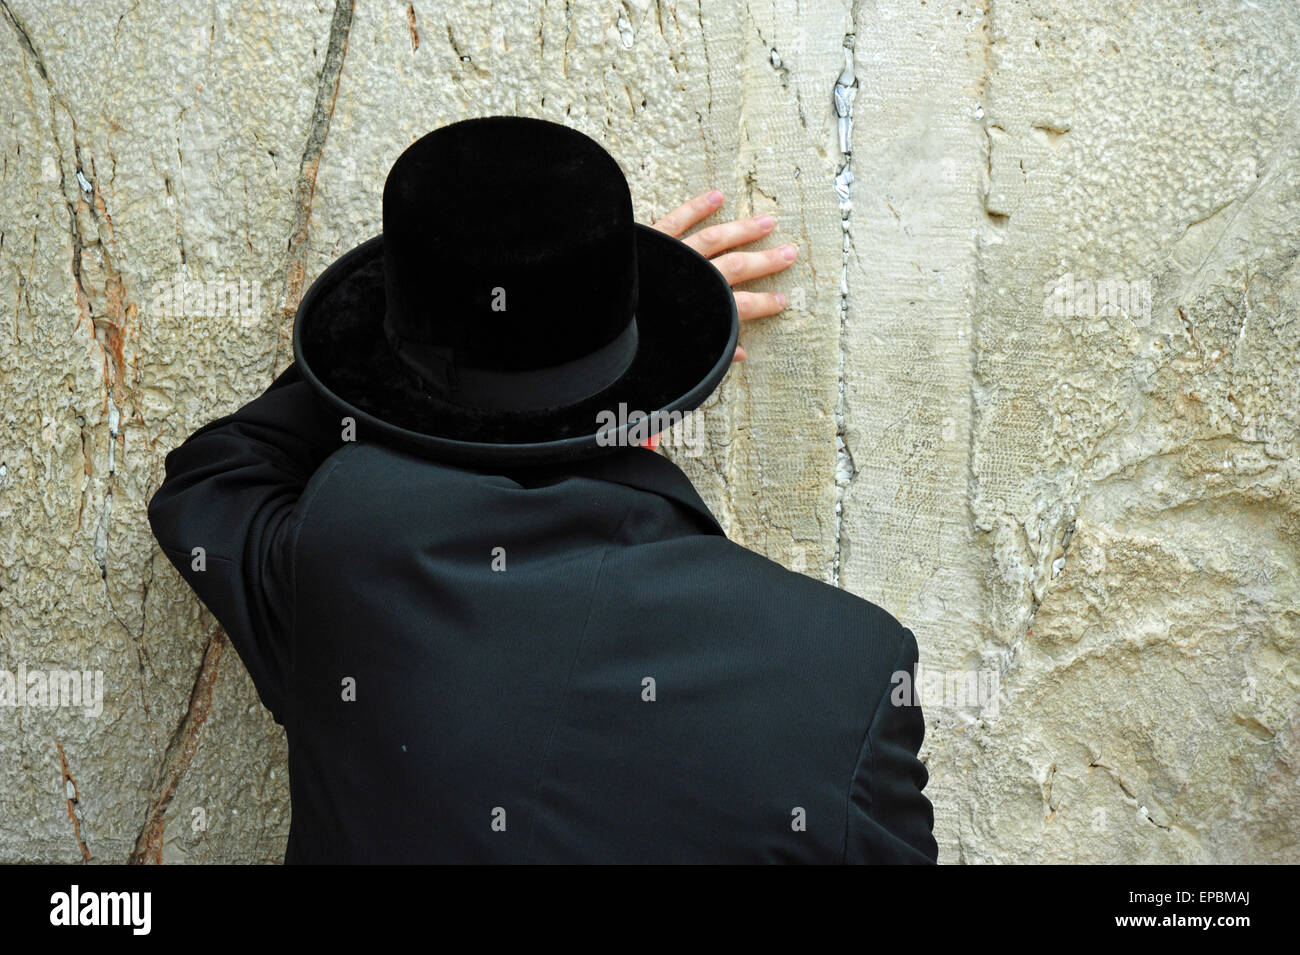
(1036,392)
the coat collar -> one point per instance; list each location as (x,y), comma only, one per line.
(649,471)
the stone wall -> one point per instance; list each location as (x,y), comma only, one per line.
(1036,392)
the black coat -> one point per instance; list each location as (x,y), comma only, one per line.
(632,687)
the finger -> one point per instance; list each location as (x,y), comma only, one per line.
(743,266)
(689,213)
(739,354)
(727,235)
(752,305)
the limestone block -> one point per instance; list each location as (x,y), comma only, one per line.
(1036,391)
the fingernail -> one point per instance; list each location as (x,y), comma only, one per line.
(766,222)
(780,298)
(715,198)
(789,252)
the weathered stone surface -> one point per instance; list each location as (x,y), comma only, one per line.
(1091,513)
(1096,507)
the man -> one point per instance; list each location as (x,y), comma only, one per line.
(494,628)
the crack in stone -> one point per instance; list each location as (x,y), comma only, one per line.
(1119,781)
(141,653)
(73,796)
(180,751)
(25,40)
(106,331)
(845,89)
(414,28)
(704,43)
(327,91)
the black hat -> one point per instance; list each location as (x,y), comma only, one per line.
(512,309)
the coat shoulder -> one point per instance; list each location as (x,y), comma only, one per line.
(806,620)
(766,581)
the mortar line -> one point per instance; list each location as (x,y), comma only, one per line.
(846,87)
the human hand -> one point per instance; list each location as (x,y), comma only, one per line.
(736,267)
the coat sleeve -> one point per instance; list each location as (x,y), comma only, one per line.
(233,489)
(890,818)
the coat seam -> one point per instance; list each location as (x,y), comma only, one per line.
(305,502)
(568,681)
(867,751)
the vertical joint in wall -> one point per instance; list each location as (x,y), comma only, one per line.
(846,88)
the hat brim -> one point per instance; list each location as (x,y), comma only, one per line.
(687,328)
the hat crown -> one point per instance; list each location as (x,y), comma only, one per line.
(509,245)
